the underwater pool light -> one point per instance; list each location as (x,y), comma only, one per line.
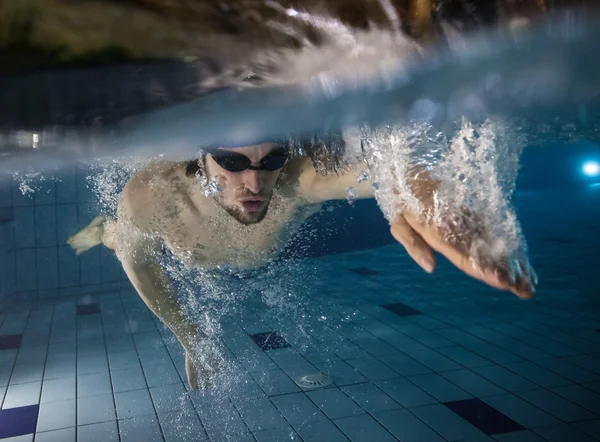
(591,168)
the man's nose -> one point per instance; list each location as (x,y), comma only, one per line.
(253,181)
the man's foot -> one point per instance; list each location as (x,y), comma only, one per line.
(203,367)
(90,236)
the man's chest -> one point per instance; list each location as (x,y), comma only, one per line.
(222,240)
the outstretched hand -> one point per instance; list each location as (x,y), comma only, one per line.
(421,239)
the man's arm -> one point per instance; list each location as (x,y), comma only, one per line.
(138,252)
(316,188)
(419,237)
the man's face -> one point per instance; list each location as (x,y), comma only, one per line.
(246,194)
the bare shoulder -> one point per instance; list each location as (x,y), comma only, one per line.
(298,176)
(146,191)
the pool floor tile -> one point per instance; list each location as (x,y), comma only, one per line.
(269,340)
(483,416)
(18,421)
(401,309)
(88,309)
(10,342)
(364,271)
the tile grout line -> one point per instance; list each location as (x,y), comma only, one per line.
(114,401)
(145,381)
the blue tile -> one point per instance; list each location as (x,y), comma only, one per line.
(260,414)
(520,411)
(58,389)
(24,225)
(537,374)
(321,430)
(448,424)
(67,222)
(563,409)
(364,271)
(169,398)
(439,388)
(275,382)
(111,267)
(464,357)
(5,193)
(27,373)
(182,426)
(297,408)
(56,415)
(581,396)
(140,428)
(7,275)
(19,198)
(160,374)
(434,360)
(370,398)
(66,188)
(334,403)
(45,226)
(45,192)
(95,409)
(590,427)
(401,309)
(68,267)
(561,433)
(103,432)
(372,369)
(64,435)
(569,370)
(405,393)
(18,421)
(221,417)
(505,379)
(89,265)
(133,403)
(92,363)
(406,427)
(341,372)
(88,309)
(47,268)
(93,384)
(123,359)
(403,364)
(26,267)
(363,428)
(85,188)
(276,435)
(269,340)
(519,436)
(21,395)
(472,383)
(483,416)
(10,342)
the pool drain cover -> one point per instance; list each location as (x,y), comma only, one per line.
(312,381)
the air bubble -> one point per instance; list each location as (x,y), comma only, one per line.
(351,195)
(364,176)
(213,189)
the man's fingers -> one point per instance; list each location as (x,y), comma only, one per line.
(416,247)
(495,275)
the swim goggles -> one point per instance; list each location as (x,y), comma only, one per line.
(236,162)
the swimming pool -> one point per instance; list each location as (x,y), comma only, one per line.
(342,337)
(411,356)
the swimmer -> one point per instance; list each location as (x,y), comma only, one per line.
(263,192)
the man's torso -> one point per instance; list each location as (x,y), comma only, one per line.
(202,234)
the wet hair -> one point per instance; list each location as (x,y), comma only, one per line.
(326,151)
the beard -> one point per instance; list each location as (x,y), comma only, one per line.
(245,218)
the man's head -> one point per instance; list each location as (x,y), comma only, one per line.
(247,176)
